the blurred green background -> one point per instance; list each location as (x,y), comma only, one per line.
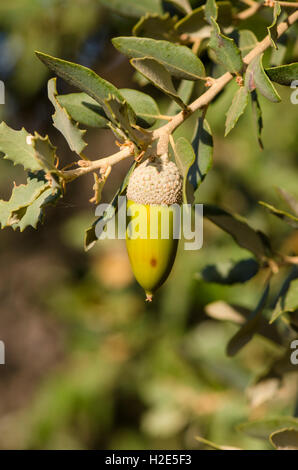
(90,365)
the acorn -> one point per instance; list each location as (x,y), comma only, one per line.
(151,234)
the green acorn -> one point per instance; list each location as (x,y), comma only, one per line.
(154,186)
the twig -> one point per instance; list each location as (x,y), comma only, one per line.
(288,4)
(254,7)
(89,166)
(290,259)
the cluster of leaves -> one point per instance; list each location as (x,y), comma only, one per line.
(179,52)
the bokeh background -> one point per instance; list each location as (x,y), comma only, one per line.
(90,365)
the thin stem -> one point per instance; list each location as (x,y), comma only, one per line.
(248,2)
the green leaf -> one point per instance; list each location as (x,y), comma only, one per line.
(184,91)
(230,273)
(281,214)
(278,55)
(87,111)
(179,61)
(81,77)
(261,429)
(34,212)
(236,109)
(285,439)
(288,298)
(250,327)
(257,116)
(226,50)
(83,109)
(124,118)
(211,10)
(290,200)
(247,41)
(157,27)
(90,234)
(203,148)
(64,123)
(143,105)
(237,227)
(45,152)
(182,5)
(284,74)
(158,75)
(195,24)
(185,157)
(272,29)
(256,78)
(133,8)
(14,145)
(21,197)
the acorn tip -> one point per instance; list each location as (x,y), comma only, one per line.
(149,296)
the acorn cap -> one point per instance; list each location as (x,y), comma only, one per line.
(155,181)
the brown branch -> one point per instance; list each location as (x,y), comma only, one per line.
(254,7)
(218,85)
(162,134)
(288,4)
(87,166)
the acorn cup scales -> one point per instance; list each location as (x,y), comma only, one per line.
(154,193)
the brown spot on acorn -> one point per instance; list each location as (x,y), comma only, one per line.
(153,262)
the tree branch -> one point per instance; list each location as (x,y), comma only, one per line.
(218,85)
(87,166)
(162,134)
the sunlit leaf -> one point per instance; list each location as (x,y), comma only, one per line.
(247,41)
(272,29)
(14,145)
(226,50)
(179,61)
(211,10)
(256,78)
(133,8)
(236,109)
(284,74)
(185,157)
(285,439)
(159,76)
(64,123)
(157,27)
(83,109)
(203,148)
(196,25)
(144,106)
(81,77)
